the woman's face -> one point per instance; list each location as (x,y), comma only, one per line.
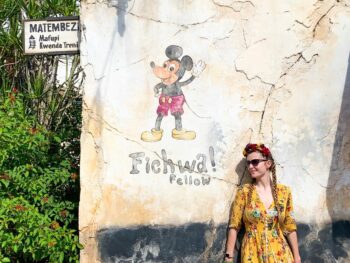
(259,170)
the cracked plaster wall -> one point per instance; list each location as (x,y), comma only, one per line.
(276,72)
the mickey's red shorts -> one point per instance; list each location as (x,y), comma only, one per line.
(174,104)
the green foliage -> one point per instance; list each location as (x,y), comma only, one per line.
(40,120)
(22,145)
(27,235)
(38,9)
(38,208)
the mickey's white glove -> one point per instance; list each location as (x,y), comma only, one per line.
(198,68)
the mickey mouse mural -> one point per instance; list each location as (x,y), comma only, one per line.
(169,91)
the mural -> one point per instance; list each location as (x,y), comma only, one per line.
(169,91)
(158,189)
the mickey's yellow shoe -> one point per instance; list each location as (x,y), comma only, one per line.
(152,136)
(183,134)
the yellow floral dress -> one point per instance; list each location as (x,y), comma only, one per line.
(264,240)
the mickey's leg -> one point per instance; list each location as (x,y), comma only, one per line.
(180,134)
(178,121)
(156,133)
(158,122)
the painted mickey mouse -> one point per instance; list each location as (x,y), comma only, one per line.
(170,93)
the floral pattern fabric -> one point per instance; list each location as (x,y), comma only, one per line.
(264,240)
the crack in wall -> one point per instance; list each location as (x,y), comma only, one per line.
(89,64)
(231,7)
(301,23)
(316,17)
(328,133)
(85,130)
(264,110)
(218,39)
(251,78)
(244,38)
(168,23)
(320,19)
(88,232)
(225,6)
(300,57)
(254,43)
(242,3)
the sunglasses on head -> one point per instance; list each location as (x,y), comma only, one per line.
(255,162)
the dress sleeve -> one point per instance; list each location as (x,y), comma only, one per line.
(237,210)
(289,220)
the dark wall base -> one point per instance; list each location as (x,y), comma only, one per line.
(329,244)
(205,243)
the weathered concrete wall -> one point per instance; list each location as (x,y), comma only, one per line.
(276,72)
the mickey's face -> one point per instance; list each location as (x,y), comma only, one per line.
(167,72)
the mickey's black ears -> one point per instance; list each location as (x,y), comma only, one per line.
(173,52)
(187,62)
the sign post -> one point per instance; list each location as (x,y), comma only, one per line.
(53,36)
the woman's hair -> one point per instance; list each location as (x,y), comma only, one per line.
(261,148)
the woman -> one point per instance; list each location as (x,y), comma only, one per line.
(266,209)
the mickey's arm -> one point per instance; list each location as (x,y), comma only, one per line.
(157,89)
(196,71)
(186,82)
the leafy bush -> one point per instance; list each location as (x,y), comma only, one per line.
(40,120)
(38,191)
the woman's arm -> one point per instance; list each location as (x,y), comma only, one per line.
(290,228)
(235,223)
(293,242)
(230,244)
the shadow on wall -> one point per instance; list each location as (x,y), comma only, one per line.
(121,6)
(338,190)
(332,242)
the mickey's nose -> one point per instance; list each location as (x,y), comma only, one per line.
(152,64)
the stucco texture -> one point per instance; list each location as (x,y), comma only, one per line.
(272,71)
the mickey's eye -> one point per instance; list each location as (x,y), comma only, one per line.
(172,67)
(164,65)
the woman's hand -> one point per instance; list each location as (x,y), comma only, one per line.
(297,260)
(228,260)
